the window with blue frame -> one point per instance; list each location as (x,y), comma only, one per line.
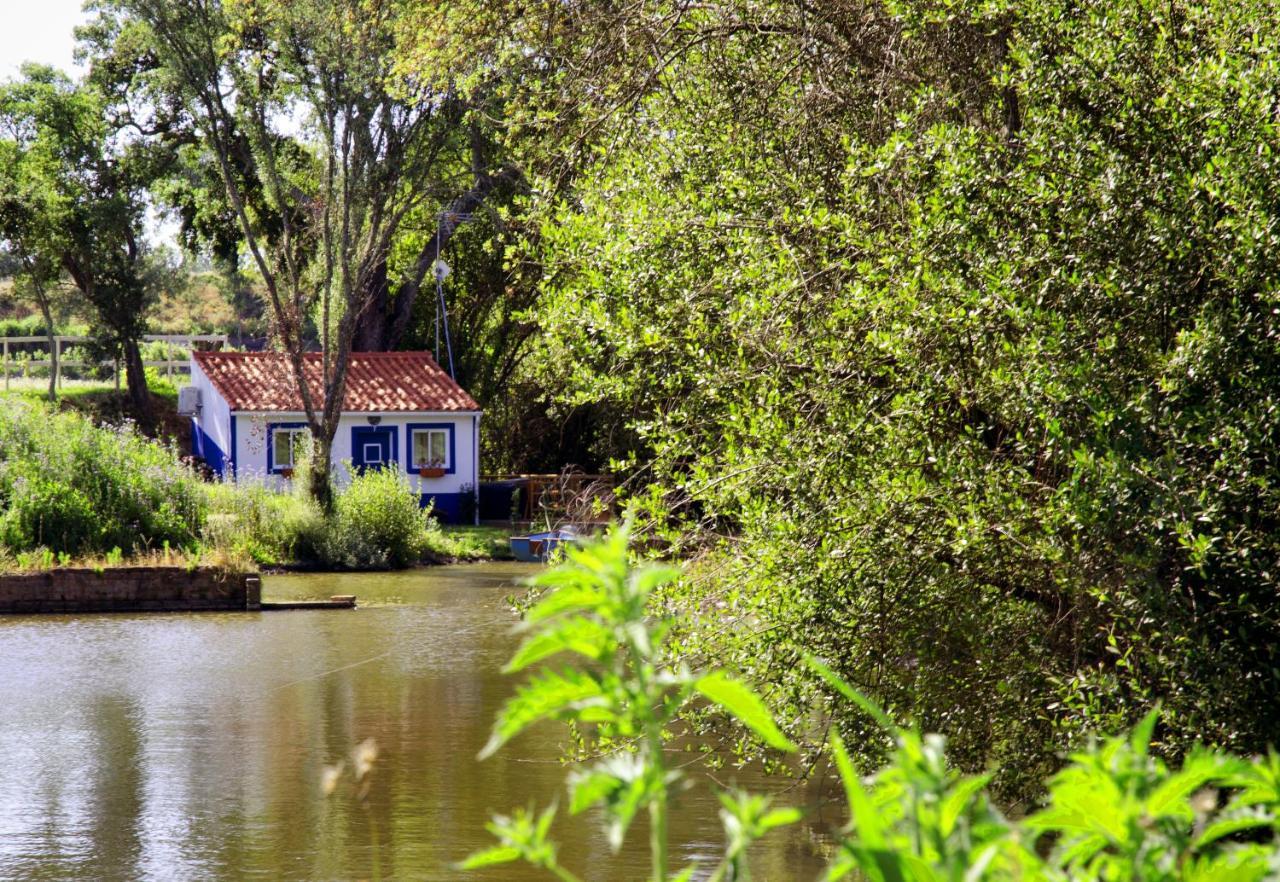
(289,443)
(431,446)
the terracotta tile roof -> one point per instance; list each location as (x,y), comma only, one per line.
(376,381)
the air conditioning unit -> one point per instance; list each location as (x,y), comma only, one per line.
(189,400)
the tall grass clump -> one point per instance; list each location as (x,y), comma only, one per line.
(377,523)
(250,522)
(77,488)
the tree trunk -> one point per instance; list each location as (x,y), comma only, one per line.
(136,378)
(321,488)
(373,333)
(51,332)
(386,318)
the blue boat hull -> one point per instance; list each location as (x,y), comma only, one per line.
(538,547)
(521,549)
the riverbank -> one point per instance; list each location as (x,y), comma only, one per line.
(449,545)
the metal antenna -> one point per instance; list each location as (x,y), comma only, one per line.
(442,310)
(435,270)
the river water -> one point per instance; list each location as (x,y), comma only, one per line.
(192,747)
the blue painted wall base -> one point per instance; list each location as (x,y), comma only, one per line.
(448,506)
(203,447)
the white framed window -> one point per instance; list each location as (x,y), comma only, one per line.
(288,446)
(430,448)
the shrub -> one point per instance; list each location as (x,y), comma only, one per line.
(76,488)
(377,523)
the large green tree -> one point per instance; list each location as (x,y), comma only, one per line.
(74,203)
(323,152)
(950,330)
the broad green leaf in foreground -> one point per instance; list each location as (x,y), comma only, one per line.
(739,701)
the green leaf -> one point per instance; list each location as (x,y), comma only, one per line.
(1141,736)
(1229,826)
(865,818)
(867,705)
(1248,864)
(744,705)
(649,578)
(590,787)
(958,800)
(781,817)
(621,809)
(499,854)
(1170,797)
(576,634)
(573,596)
(547,695)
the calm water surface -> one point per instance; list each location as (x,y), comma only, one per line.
(175,747)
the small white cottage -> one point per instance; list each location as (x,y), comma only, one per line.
(400,411)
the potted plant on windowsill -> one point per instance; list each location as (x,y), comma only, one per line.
(287,472)
(431,470)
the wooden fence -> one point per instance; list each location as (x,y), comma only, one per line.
(56,363)
(570,496)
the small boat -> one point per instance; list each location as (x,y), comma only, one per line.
(538,547)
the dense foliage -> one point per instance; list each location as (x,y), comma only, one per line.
(377,523)
(1115,812)
(76,488)
(948,335)
(74,199)
(944,335)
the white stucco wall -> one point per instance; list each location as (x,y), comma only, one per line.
(252,439)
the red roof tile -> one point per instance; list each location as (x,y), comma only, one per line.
(376,381)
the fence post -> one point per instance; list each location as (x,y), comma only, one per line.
(168,359)
(57,362)
(116,373)
(6,365)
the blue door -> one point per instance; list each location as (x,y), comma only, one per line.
(373,447)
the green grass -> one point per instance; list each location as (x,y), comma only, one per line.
(471,543)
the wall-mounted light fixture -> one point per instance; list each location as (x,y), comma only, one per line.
(374,419)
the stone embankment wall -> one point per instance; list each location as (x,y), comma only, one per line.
(129,589)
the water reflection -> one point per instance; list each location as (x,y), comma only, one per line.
(192,746)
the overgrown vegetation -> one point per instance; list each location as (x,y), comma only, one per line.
(75,488)
(377,523)
(945,335)
(73,491)
(1115,812)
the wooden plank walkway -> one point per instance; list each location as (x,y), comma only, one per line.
(337,601)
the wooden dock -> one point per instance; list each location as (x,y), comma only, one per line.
(337,601)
